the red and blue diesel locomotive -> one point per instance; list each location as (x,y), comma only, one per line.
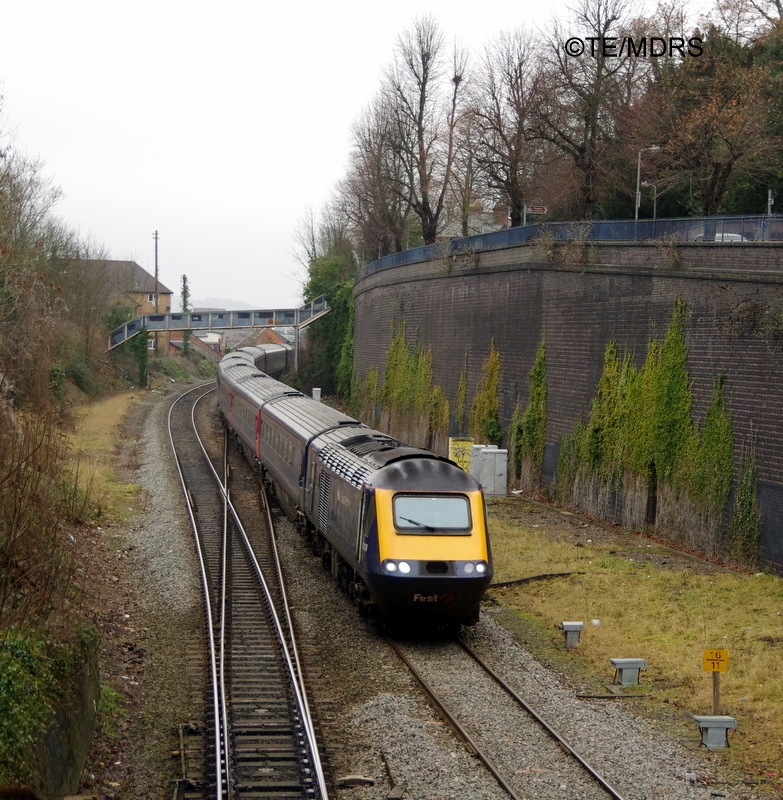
(403,530)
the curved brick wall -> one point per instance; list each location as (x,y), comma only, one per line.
(609,291)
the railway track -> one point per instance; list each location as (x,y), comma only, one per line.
(454,690)
(260,737)
(526,760)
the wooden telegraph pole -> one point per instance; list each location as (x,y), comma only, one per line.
(157,291)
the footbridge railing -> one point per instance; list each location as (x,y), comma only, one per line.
(203,320)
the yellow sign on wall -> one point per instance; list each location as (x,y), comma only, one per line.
(716,660)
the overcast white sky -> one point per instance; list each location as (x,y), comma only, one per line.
(216,125)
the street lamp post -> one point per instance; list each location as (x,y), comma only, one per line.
(639,177)
(655,194)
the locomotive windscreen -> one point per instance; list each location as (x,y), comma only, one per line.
(435,514)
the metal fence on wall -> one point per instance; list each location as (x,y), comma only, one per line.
(722,230)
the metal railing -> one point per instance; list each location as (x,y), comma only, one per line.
(723,230)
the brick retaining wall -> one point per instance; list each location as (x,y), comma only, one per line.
(609,291)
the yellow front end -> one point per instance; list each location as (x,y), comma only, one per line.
(428,547)
(430,569)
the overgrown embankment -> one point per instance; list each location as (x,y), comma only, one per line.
(45,650)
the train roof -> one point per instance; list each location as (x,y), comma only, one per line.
(382,461)
(424,475)
(259,351)
(348,447)
(307,418)
(258,386)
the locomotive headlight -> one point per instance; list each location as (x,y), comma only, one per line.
(481,568)
(405,567)
(469,567)
(390,566)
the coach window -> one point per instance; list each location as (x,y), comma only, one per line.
(441,514)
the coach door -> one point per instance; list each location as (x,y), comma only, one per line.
(367,527)
(309,488)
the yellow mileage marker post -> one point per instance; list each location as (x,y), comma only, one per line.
(714,729)
(716,661)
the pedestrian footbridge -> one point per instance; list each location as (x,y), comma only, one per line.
(202,320)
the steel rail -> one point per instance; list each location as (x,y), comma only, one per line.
(307,716)
(448,716)
(294,672)
(223,608)
(541,721)
(216,694)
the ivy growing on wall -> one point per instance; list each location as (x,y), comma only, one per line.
(527,432)
(705,472)
(407,379)
(364,397)
(515,445)
(640,444)
(535,418)
(485,413)
(36,676)
(745,528)
(439,414)
(672,398)
(462,398)
(138,345)
(415,409)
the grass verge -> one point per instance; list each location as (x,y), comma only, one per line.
(96,434)
(648,602)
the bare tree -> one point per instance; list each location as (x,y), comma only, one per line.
(305,237)
(425,115)
(370,195)
(26,200)
(579,99)
(327,235)
(503,108)
(466,173)
(29,307)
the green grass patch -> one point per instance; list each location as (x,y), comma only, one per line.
(110,712)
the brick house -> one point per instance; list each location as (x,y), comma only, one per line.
(133,284)
(138,286)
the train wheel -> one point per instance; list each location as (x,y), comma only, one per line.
(366,608)
(326,556)
(344,577)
